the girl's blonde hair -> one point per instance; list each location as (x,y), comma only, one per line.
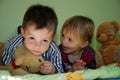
(82,27)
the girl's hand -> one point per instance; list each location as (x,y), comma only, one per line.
(81,62)
(47,68)
(78,65)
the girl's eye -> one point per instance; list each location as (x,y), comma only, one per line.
(70,40)
(62,35)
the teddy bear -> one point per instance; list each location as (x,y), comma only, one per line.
(24,62)
(110,45)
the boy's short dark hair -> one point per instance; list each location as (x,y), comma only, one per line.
(42,17)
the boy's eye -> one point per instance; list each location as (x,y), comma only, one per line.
(45,40)
(31,38)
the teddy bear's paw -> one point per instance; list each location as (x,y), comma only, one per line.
(19,71)
(117,55)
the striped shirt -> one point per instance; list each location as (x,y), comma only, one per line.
(52,54)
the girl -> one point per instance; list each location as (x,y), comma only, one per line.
(76,35)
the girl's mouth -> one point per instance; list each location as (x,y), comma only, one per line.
(65,48)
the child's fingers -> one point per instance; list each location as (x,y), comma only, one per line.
(46,65)
(78,61)
(77,66)
(81,62)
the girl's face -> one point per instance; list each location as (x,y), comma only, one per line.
(70,42)
(36,40)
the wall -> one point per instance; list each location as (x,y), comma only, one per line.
(12,11)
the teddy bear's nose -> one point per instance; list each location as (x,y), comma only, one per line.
(39,60)
(98,35)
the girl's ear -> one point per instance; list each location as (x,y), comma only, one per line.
(22,31)
(85,44)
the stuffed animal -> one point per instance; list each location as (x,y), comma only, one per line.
(24,63)
(107,35)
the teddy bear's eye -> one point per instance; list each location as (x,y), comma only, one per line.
(111,31)
(98,35)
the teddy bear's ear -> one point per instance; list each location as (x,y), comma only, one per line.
(116,25)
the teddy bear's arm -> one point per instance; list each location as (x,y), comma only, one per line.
(19,54)
(7,67)
(19,71)
(19,61)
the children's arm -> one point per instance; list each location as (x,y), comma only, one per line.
(56,58)
(78,65)
(53,55)
(47,68)
(10,47)
(89,58)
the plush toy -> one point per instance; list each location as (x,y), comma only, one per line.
(24,63)
(107,36)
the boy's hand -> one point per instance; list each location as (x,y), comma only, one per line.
(47,68)
(78,65)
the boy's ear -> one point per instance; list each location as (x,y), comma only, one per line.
(22,31)
(85,44)
(54,35)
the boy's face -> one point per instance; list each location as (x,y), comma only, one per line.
(36,40)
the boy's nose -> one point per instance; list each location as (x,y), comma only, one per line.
(37,44)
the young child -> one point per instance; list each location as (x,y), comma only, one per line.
(37,33)
(76,35)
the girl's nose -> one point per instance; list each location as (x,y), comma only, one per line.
(64,41)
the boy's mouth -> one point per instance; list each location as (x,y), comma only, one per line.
(36,51)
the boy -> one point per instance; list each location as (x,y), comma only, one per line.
(37,33)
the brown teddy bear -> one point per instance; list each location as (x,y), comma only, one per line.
(107,36)
(24,63)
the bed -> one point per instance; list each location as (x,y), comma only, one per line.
(110,72)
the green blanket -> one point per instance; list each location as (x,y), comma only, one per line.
(110,71)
